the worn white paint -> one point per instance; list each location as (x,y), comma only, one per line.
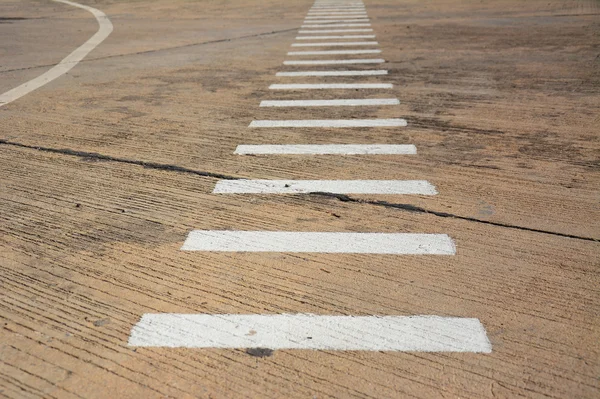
(331,62)
(336,17)
(335,37)
(309,331)
(336,21)
(330,103)
(337,13)
(334,30)
(332,25)
(334,73)
(317,242)
(336,123)
(396,187)
(334,52)
(64,66)
(326,149)
(329,86)
(335,44)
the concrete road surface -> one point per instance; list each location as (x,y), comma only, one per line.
(413,211)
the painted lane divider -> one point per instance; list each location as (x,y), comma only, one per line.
(66,64)
(332,62)
(332,52)
(335,37)
(332,44)
(398,187)
(324,86)
(330,103)
(335,30)
(335,123)
(333,73)
(326,149)
(336,21)
(309,331)
(337,14)
(317,242)
(336,17)
(332,25)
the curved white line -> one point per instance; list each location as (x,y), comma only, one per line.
(68,62)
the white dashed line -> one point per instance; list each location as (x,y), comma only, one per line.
(67,63)
(396,187)
(332,25)
(336,123)
(333,44)
(334,52)
(335,37)
(334,73)
(309,331)
(316,242)
(330,103)
(326,149)
(332,62)
(327,86)
(304,32)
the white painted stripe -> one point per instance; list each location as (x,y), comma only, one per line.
(331,62)
(312,242)
(67,63)
(327,149)
(332,25)
(335,37)
(337,14)
(332,52)
(396,187)
(423,333)
(334,31)
(312,20)
(333,44)
(393,122)
(317,86)
(334,73)
(330,103)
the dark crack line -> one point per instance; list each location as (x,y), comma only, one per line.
(161,49)
(340,197)
(101,157)
(418,209)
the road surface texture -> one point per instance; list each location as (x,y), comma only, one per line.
(108,169)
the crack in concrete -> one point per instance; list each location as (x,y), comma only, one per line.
(340,197)
(418,209)
(161,49)
(102,157)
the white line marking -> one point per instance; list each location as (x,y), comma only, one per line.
(327,149)
(332,25)
(334,31)
(311,242)
(334,73)
(310,20)
(330,62)
(67,63)
(393,122)
(316,86)
(397,187)
(330,103)
(335,37)
(342,16)
(331,52)
(338,14)
(423,333)
(332,44)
